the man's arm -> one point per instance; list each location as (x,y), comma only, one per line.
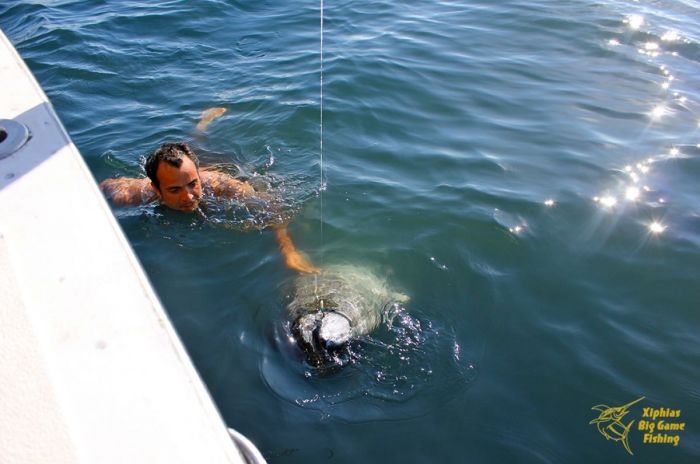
(223,185)
(292,258)
(127,191)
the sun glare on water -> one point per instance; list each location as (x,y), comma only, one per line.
(635,21)
(656,227)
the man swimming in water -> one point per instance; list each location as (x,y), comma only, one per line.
(174,179)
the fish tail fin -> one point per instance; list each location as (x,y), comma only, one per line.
(625,438)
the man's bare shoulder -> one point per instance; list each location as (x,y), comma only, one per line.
(211,173)
(128,191)
(224,184)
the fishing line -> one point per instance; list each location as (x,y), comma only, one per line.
(322,186)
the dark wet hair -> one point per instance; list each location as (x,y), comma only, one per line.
(171,153)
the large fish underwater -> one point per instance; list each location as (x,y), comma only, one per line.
(329,309)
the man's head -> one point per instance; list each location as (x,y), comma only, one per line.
(174,172)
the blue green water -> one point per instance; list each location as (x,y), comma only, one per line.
(526,170)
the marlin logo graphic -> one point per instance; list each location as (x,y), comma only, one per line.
(610,425)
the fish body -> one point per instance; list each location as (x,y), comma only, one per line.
(329,309)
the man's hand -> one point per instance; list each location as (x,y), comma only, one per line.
(292,258)
(296,261)
(208,116)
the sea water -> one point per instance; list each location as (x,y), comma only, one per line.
(526,171)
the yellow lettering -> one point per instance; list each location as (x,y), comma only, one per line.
(647,426)
(671,425)
(661,438)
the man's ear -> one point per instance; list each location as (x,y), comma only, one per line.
(154,188)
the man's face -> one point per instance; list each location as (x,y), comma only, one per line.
(180,188)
